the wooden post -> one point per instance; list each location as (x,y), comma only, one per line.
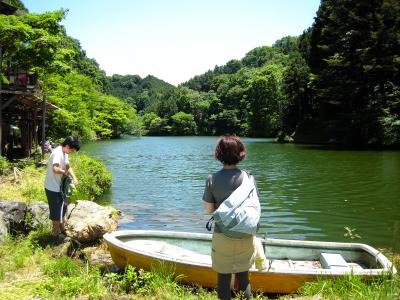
(30,132)
(1,128)
(43,124)
(1,110)
(24,123)
(35,126)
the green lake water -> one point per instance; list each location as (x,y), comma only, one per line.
(306,192)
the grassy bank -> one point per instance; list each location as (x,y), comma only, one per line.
(33,267)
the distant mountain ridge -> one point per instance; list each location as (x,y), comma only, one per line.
(141,92)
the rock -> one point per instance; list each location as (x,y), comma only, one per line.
(3,228)
(100,257)
(39,213)
(64,249)
(88,221)
(14,215)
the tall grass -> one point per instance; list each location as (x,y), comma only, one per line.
(384,287)
(32,268)
(27,185)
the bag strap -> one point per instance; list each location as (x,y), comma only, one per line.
(252,190)
(210,223)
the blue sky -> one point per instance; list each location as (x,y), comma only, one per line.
(176,39)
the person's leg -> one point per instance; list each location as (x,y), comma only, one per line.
(56,227)
(224,286)
(244,284)
(56,203)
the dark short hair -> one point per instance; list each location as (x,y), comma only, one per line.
(73,142)
(230,150)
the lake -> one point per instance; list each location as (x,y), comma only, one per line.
(306,192)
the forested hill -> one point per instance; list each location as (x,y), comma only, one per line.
(139,92)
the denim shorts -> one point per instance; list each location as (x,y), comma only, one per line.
(56,203)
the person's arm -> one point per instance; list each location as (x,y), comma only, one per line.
(208,198)
(210,207)
(71,172)
(58,170)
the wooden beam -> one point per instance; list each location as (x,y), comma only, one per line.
(8,102)
(1,110)
(1,129)
(18,92)
(30,145)
(35,126)
(43,124)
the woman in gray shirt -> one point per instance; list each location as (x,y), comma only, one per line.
(229,255)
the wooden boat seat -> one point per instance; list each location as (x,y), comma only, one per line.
(333,261)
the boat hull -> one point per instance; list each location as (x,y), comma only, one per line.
(270,281)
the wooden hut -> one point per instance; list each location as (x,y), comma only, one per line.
(22,114)
(7,9)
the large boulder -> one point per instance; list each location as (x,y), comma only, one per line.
(14,215)
(3,228)
(38,215)
(88,221)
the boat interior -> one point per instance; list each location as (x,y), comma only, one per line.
(279,257)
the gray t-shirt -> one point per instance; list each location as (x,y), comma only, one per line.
(220,185)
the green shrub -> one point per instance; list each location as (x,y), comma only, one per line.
(94,179)
(4,165)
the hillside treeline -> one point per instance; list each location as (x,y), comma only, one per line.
(338,82)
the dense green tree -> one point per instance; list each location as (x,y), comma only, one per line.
(261,56)
(296,103)
(265,101)
(232,66)
(201,82)
(32,41)
(85,111)
(354,56)
(287,45)
(183,124)
(153,124)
